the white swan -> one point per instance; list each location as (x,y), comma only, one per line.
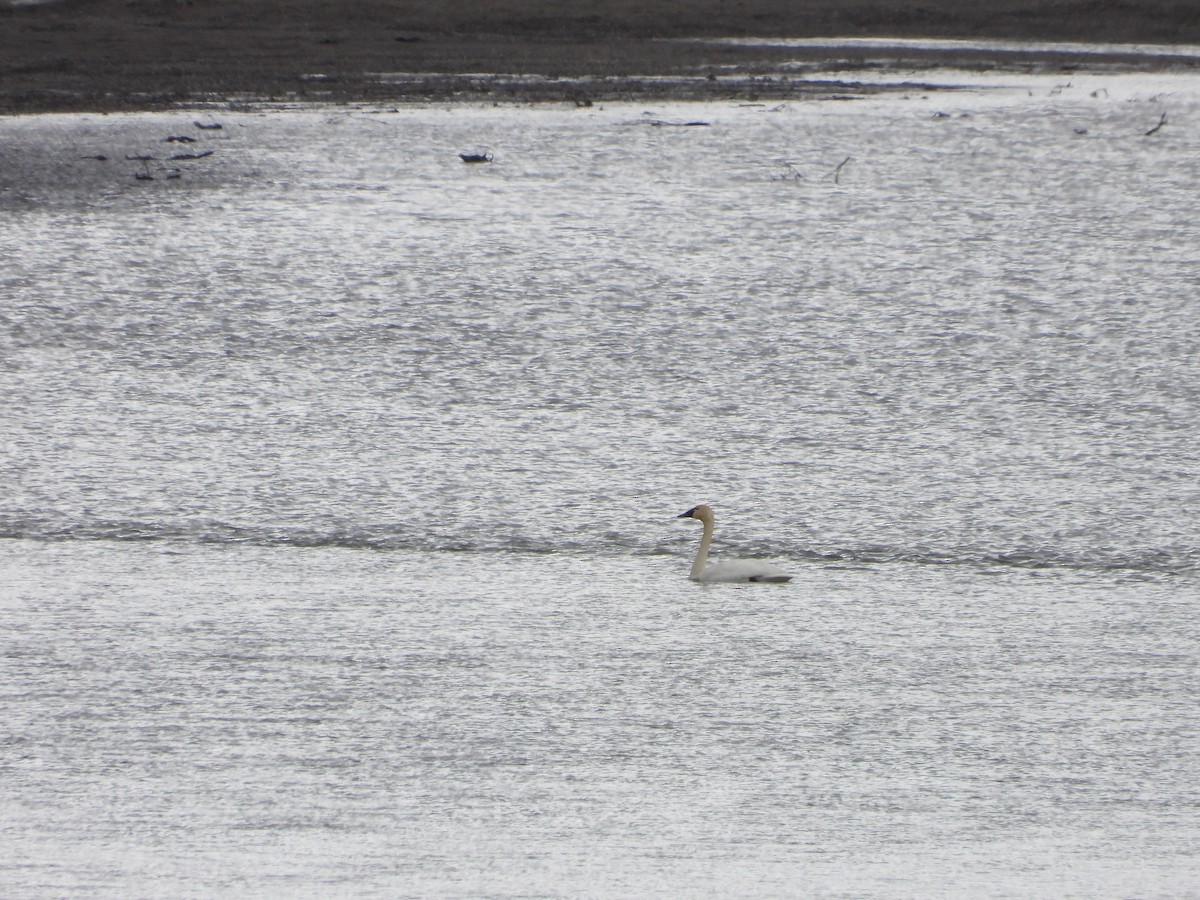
(734,570)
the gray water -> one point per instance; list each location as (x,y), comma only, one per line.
(339,481)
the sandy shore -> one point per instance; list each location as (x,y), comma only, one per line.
(123,54)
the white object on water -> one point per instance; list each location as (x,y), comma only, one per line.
(734,570)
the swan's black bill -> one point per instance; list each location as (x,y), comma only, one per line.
(688,514)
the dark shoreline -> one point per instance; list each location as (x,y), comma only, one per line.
(100,55)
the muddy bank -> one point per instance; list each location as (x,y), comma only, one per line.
(114,54)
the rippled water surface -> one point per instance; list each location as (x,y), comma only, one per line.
(339,481)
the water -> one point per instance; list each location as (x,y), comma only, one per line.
(340,481)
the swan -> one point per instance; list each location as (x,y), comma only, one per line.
(734,570)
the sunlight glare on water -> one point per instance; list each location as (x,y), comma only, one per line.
(340,482)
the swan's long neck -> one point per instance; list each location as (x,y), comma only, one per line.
(702,554)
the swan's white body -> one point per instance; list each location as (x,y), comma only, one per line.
(734,570)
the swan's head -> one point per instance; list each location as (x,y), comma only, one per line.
(701,512)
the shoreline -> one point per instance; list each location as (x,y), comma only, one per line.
(830,77)
(110,55)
